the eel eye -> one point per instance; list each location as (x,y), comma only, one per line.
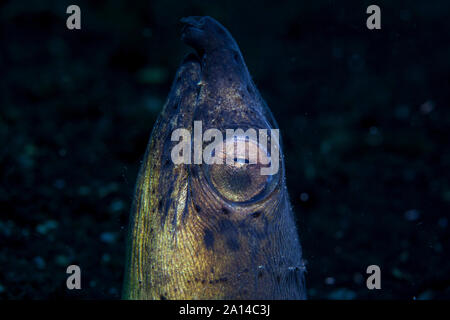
(237,172)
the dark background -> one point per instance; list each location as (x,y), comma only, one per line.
(364,117)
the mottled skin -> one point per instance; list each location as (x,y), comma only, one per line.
(186,241)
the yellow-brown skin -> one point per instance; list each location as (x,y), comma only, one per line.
(187,240)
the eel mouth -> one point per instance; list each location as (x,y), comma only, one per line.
(205,34)
(193,21)
(192,30)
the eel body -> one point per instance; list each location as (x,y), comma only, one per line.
(212,231)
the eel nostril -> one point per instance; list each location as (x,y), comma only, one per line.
(256,214)
(236,57)
(249,90)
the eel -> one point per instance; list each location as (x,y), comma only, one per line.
(218,230)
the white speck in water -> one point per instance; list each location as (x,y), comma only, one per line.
(106,258)
(329,281)
(374,130)
(412,215)
(304,196)
(117,206)
(47,226)
(443,222)
(147,33)
(427,107)
(39,262)
(358,278)
(402,112)
(113,291)
(62,152)
(59,184)
(108,237)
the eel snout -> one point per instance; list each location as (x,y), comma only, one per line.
(205,34)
